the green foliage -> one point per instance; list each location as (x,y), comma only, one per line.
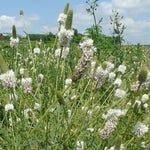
(118,27)
(44,37)
(3,64)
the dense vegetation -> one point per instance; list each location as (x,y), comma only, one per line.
(74,91)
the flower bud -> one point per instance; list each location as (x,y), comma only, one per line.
(66,8)
(143,74)
(14,35)
(69,20)
(21,12)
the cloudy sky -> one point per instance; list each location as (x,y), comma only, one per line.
(41,16)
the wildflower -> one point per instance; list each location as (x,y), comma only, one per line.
(100,76)
(21,71)
(57,53)
(26,113)
(120,93)
(65,36)
(118,82)
(110,66)
(37,106)
(144,98)
(62,18)
(134,86)
(145,106)
(40,79)
(112,75)
(80,145)
(85,60)
(137,102)
(115,113)
(36,50)
(14,42)
(87,44)
(9,107)
(26,83)
(8,79)
(109,127)
(140,129)
(90,129)
(68,81)
(143,145)
(122,69)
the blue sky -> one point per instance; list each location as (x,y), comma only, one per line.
(41,16)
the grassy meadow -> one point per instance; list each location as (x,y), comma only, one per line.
(70,95)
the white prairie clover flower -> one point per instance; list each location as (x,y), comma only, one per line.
(14,42)
(65,36)
(62,18)
(138,103)
(80,145)
(8,79)
(144,98)
(40,79)
(87,44)
(36,50)
(90,129)
(114,113)
(100,76)
(122,69)
(26,113)
(68,81)
(108,129)
(140,129)
(110,66)
(9,107)
(26,83)
(120,93)
(118,82)
(85,60)
(134,86)
(21,71)
(37,106)
(112,75)
(57,53)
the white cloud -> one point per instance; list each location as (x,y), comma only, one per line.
(6,22)
(136,18)
(81,19)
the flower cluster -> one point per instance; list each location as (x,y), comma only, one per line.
(140,129)
(85,60)
(8,79)
(65,36)
(120,93)
(26,83)
(14,42)
(36,50)
(62,18)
